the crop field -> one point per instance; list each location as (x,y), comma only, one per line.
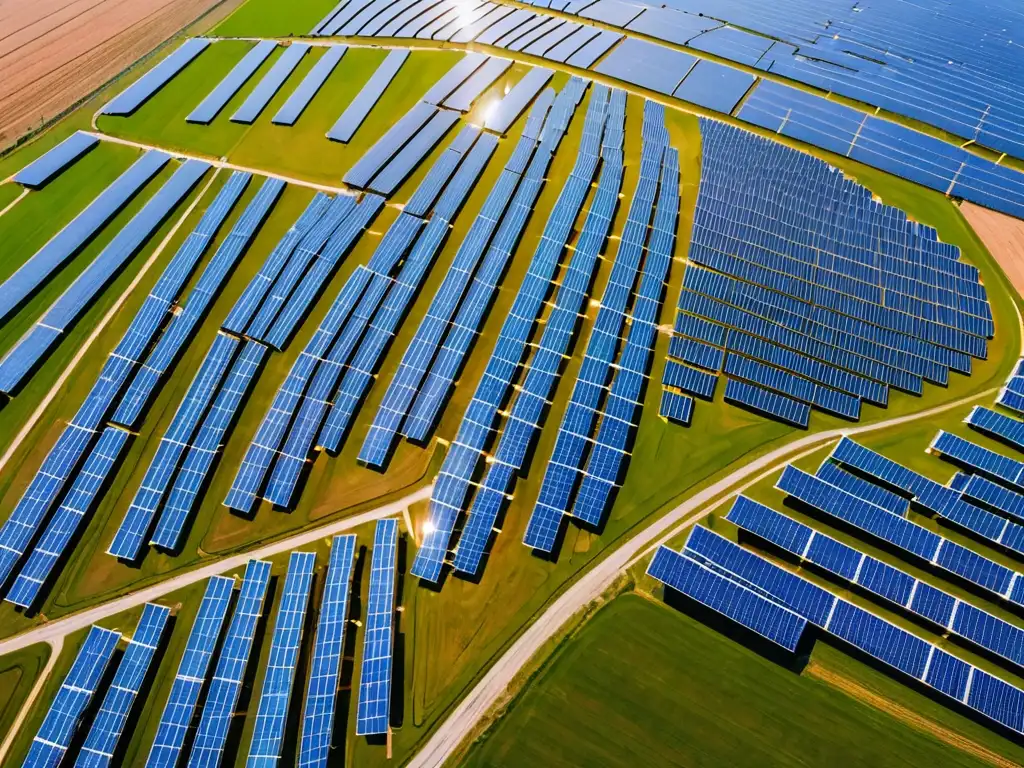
(636,681)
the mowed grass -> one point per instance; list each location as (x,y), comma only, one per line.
(9,193)
(643,684)
(266,18)
(18,673)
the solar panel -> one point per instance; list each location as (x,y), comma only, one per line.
(136,94)
(264,91)
(373,715)
(978,458)
(997,425)
(676,408)
(191,675)
(322,691)
(108,725)
(508,110)
(222,696)
(994,496)
(62,719)
(37,173)
(70,240)
(218,98)
(465,95)
(83,291)
(310,85)
(745,606)
(275,696)
(354,115)
(377,156)
(833,475)
(769,403)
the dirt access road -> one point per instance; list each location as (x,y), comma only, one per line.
(55,52)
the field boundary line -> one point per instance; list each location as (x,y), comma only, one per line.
(56,645)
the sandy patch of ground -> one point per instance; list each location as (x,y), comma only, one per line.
(908,716)
(55,52)
(1003,236)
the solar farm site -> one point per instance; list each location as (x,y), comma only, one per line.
(563,383)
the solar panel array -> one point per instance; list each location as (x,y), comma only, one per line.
(1011,396)
(191,675)
(126,685)
(895,647)
(136,94)
(272,712)
(226,684)
(896,587)
(321,694)
(35,272)
(37,173)
(420,388)
(807,293)
(63,717)
(264,91)
(453,483)
(86,453)
(218,98)
(374,708)
(596,432)
(18,364)
(913,81)
(325,387)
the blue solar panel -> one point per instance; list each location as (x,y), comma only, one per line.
(61,722)
(226,685)
(136,94)
(690,380)
(463,97)
(321,694)
(766,402)
(310,85)
(647,64)
(275,696)
(453,78)
(377,156)
(374,707)
(83,291)
(994,496)
(264,91)
(131,534)
(508,110)
(44,168)
(676,408)
(997,425)
(110,720)
(69,241)
(834,475)
(354,115)
(232,82)
(752,610)
(391,175)
(76,506)
(978,458)
(714,86)
(191,675)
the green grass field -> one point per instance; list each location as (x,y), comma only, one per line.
(643,684)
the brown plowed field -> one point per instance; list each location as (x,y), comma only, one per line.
(54,52)
(1003,236)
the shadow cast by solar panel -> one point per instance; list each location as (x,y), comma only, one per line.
(346,675)
(72,546)
(134,719)
(397,711)
(739,634)
(948,702)
(193,726)
(902,554)
(233,743)
(95,704)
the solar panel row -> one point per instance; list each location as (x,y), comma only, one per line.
(275,696)
(690,380)
(264,91)
(676,408)
(374,707)
(226,684)
(508,110)
(218,98)
(453,483)
(17,365)
(310,85)
(37,173)
(191,675)
(325,667)
(30,276)
(356,112)
(882,580)
(566,467)
(109,723)
(136,94)
(465,292)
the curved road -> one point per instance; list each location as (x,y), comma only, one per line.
(495,683)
